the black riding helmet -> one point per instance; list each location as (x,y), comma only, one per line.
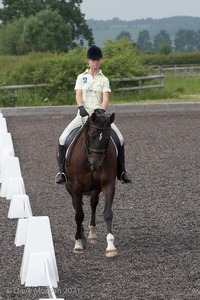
(94,53)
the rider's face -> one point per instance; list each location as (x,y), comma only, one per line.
(94,64)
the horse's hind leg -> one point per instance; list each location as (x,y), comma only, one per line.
(92,237)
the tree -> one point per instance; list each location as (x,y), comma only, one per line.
(165,49)
(162,38)
(123,34)
(121,59)
(10,38)
(144,41)
(198,40)
(47,31)
(186,41)
(16,8)
(69,10)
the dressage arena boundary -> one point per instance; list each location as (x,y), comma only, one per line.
(117,108)
(38,267)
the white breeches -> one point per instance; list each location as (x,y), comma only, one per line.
(79,121)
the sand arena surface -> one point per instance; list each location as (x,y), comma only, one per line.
(156,220)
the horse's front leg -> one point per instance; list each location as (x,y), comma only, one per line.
(79,217)
(111,251)
(94,200)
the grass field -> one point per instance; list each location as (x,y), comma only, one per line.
(176,89)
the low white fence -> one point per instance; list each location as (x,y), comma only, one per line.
(38,266)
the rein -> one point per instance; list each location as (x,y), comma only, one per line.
(100,128)
(98,151)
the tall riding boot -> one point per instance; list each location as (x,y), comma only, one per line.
(122,174)
(61,177)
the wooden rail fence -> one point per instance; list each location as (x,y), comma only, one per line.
(180,71)
(140,80)
(15,88)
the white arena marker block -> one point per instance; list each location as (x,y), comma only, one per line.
(4,153)
(11,170)
(37,273)
(38,239)
(19,207)
(3,125)
(15,187)
(21,233)
(6,142)
(2,130)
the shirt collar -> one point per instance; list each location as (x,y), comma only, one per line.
(87,72)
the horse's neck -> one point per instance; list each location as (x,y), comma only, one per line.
(82,141)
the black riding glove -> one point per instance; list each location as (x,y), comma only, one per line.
(100,111)
(83,111)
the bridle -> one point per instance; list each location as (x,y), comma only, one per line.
(97,151)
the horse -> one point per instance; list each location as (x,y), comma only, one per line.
(90,170)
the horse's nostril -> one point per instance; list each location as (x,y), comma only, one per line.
(94,167)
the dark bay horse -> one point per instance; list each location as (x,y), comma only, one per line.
(92,170)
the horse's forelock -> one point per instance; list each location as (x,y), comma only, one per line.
(103,120)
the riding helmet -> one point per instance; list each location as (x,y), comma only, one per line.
(94,53)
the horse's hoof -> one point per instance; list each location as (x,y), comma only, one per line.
(78,247)
(111,253)
(92,237)
(78,250)
(92,241)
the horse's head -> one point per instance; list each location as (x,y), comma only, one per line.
(98,136)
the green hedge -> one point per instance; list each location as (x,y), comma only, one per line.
(54,69)
(59,71)
(171,59)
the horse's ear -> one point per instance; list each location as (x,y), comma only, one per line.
(112,118)
(93,117)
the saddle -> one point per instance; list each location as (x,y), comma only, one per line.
(71,141)
(73,137)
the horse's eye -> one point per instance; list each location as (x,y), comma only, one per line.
(92,135)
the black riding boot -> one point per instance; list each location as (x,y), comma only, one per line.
(122,174)
(61,177)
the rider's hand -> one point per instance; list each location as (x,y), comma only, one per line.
(100,111)
(83,111)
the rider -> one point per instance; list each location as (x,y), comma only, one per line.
(92,92)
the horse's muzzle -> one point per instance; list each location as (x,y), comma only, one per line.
(94,167)
(96,159)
